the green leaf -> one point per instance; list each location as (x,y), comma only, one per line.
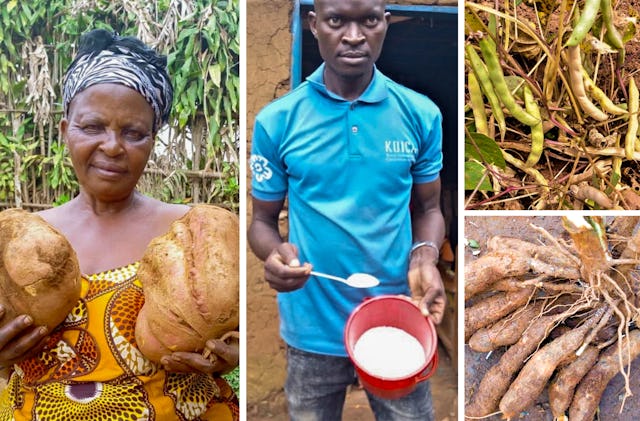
(27,13)
(615,178)
(192,94)
(61,200)
(171,58)
(215,74)
(12,4)
(473,244)
(474,172)
(187,33)
(18,87)
(472,23)
(3,64)
(188,52)
(629,30)
(484,149)
(186,67)
(516,85)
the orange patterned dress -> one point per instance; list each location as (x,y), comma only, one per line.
(91,368)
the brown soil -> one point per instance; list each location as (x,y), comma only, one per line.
(476,364)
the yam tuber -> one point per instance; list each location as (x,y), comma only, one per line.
(39,270)
(190,278)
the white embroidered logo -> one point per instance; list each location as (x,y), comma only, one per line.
(260,168)
(400,150)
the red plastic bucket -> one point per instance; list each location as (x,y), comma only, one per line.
(398,312)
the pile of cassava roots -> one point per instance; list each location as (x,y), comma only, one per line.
(565,313)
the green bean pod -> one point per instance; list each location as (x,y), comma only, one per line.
(585,22)
(477,104)
(490,56)
(537,132)
(632,128)
(613,35)
(482,76)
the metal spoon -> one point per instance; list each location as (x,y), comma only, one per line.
(357,280)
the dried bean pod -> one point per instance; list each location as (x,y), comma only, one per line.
(574,63)
(630,138)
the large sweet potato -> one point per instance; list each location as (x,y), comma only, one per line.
(39,271)
(190,278)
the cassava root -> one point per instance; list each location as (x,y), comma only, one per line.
(580,299)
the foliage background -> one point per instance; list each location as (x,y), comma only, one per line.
(196,157)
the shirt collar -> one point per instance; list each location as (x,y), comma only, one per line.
(375,92)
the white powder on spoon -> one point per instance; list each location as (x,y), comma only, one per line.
(388,352)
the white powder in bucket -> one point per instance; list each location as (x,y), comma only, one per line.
(388,352)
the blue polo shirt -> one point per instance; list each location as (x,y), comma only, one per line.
(347,168)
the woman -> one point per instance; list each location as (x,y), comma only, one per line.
(117,95)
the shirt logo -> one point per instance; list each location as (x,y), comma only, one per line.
(260,168)
(400,150)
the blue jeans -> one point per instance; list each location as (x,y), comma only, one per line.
(316,387)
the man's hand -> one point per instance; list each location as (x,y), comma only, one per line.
(283,271)
(427,290)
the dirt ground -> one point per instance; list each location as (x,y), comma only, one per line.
(356,408)
(476,364)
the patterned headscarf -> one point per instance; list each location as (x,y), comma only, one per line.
(104,57)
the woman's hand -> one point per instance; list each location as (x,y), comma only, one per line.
(19,339)
(223,356)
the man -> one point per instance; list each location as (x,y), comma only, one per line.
(358,157)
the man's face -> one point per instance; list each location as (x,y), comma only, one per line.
(350,34)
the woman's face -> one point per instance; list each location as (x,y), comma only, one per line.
(109,133)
